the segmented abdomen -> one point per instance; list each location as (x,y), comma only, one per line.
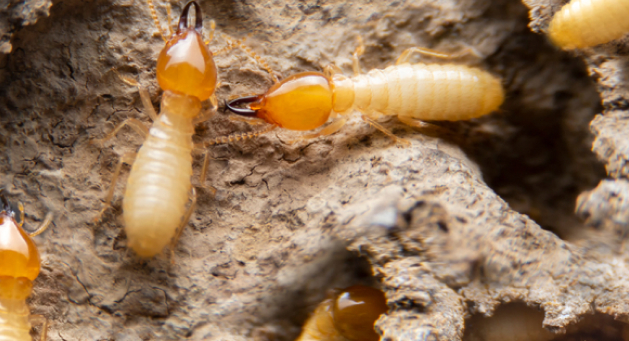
(583,23)
(14,324)
(429,92)
(159,185)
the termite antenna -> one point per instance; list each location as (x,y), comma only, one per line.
(242,111)
(183,20)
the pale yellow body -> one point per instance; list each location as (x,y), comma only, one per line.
(420,91)
(584,23)
(14,320)
(320,326)
(159,184)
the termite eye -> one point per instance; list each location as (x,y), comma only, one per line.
(185,65)
(355,311)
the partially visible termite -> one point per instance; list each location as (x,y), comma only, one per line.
(19,266)
(349,315)
(412,92)
(585,23)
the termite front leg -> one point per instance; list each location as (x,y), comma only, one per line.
(127,158)
(40,319)
(144,96)
(136,124)
(329,130)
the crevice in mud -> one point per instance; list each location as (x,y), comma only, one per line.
(517,321)
(536,152)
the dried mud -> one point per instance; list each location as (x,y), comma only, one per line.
(471,216)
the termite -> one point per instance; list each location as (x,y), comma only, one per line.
(159,185)
(19,266)
(412,92)
(585,23)
(349,315)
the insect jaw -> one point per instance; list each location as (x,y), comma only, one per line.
(183,19)
(231,105)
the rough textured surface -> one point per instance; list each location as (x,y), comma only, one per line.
(261,253)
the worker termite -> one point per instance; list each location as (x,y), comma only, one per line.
(412,92)
(159,185)
(349,315)
(585,23)
(19,266)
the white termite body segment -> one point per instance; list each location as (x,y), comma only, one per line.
(424,92)
(585,23)
(14,320)
(159,184)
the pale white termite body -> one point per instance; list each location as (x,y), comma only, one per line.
(425,91)
(159,184)
(585,23)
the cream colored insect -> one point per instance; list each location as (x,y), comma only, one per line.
(412,92)
(159,185)
(584,23)
(19,266)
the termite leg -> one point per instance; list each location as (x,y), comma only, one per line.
(408,53)
(360,49)
(43,226)
(126,158)
(251,120)
(329,130)
(203,116)
(202,179)
(136,124)
(40,319)
(144,95)
(386,131)
(415,123)
(332,70)
(165,36)
(184,221)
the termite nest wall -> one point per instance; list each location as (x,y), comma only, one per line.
(471,216)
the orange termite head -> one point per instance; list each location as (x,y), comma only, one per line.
(300,102)
(19,258)
(356,309)
(185,65)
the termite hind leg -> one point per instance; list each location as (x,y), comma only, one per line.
(184,221)
(360,49)
(144,95)
(406,56)
(40,319)
(329,130)
(398,140)
(136,124)
(427,128)
(126,158)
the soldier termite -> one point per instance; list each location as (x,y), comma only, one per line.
(412,92)
(19,266)
(159,185)
(349,315)
(585,23)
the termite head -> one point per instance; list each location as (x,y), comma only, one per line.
(185,65)
(300,102)
(19,258)
(355,311)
